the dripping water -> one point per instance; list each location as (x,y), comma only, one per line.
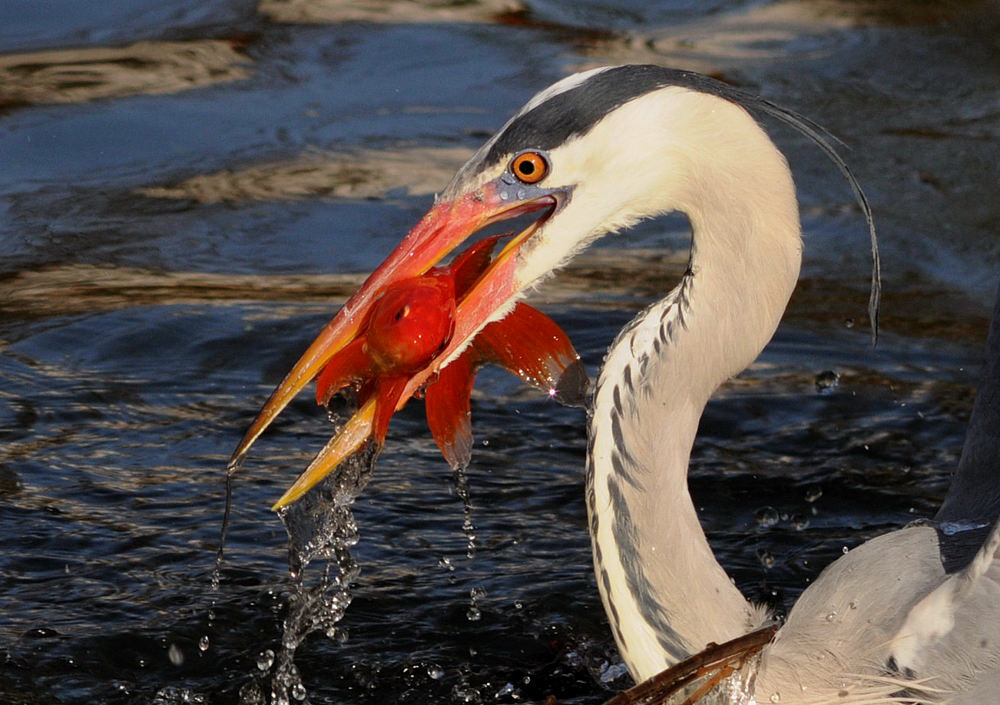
(204,642)
(321,529)
(460,478)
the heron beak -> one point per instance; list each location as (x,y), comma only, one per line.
(446,226)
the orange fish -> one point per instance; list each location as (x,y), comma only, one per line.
(406,329)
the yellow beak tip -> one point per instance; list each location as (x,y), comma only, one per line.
(354,433)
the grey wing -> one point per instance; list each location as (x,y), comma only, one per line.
(952,634)
(974,494)
(920,605)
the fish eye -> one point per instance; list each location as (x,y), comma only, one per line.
(529,167)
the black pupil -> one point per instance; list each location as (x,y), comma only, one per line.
(526,167)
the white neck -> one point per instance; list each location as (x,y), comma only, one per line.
(665,593)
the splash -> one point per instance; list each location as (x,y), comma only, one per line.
(321,530)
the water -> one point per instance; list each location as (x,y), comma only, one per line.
(319,526)
(180,216)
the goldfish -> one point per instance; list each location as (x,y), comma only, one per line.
(407,328)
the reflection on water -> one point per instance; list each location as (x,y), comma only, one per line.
(78,75)
(399,171)
(166,253)
(785,32)
(778,32)
(388,10)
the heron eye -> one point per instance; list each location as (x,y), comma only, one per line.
(529,167)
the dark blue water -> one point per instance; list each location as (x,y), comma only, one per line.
(189,190)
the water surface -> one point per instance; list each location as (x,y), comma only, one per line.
(191,189)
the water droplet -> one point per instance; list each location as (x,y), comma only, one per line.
(446,563)
(518,605)
(799,522)
(172,695)
(474,614)
(465,694)
(507,689)
(203,643)
(299,691)
(766,516)
(765,557)
(826,381)
(175,655)
(265,659)
(435,672)
(813,493)
(848,323)
(612,671)
(845,550)
(830,617)
(775,697)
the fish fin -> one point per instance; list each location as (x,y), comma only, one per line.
(449,413)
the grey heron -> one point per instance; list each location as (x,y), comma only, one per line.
(909,617)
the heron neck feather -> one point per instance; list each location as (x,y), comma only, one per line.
(665,593)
